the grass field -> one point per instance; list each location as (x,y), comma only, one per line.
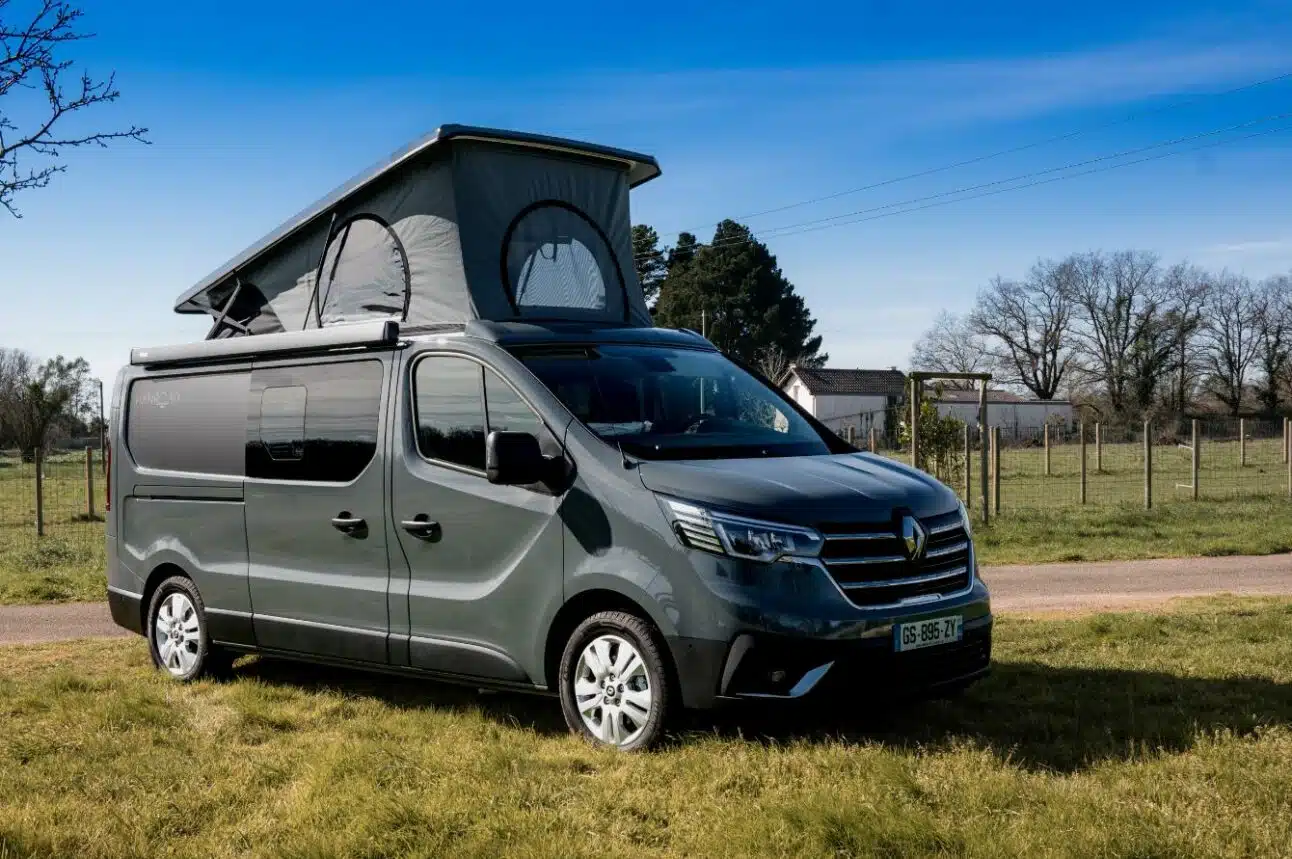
(1164,735)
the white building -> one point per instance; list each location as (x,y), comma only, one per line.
(849,402)
(1016,416)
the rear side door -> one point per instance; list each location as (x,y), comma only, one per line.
(316,506)
(486,567)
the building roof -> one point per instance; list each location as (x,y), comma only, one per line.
(822,380)
(960,396)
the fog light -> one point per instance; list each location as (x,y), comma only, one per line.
(777,676)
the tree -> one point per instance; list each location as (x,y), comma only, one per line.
(649,260)
(37,99)
(1190,291)
(1231,339)
(734,289)
(35,398)
(1027,325)
(951,345)
(1126,336)
(1274,341)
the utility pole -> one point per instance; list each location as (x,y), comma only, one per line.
(704,323)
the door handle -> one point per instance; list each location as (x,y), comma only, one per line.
(352,526)
(421,527)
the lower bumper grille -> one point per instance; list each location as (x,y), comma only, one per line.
(772,666)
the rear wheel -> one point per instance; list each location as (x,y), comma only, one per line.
(614,686)
(177,633)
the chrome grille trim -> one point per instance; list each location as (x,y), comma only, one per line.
(868,535)
(942,552)
(872,571)
(910,580)
(857,562)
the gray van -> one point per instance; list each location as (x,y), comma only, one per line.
(433,431)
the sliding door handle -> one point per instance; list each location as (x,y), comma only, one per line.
(352,526)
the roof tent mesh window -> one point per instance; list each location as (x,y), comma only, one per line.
(364,274)
(557,257)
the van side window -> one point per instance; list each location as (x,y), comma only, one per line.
(450,410)
(506,411)
(315,423)
(282,422)
(192,424)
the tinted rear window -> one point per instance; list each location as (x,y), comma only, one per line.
(194,424)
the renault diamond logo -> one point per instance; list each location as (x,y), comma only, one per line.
(913,536)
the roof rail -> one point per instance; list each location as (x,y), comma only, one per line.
(354,335)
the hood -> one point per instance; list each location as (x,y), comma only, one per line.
(804,490)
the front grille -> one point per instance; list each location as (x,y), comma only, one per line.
(869,561)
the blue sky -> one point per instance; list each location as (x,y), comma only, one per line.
(256,110)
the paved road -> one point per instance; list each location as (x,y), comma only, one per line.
(1042,588)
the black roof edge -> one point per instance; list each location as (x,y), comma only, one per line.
(538,332)
(640,167)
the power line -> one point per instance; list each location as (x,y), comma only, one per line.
(1010,151)
(853,217)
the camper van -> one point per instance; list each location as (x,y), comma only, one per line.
(433,431)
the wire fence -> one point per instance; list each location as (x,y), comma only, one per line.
(58,517)
(1071,463)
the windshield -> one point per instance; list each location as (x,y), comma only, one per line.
(665,403)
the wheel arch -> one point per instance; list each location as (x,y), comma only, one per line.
(159,574)
(578,608)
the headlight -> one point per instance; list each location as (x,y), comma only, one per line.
(964,517)
(738,537)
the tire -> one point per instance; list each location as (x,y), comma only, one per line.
(183,650)
(604,705)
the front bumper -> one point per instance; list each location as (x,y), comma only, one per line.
(771,666)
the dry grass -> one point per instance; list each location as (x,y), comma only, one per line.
(1115,735)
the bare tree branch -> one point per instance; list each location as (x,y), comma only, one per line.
(31,65)
(951,345)
(1028,325)
(1232,340)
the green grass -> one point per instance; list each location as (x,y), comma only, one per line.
(67,564)
(1138,735)
(1234,526)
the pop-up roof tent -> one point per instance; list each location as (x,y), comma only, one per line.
(469,223)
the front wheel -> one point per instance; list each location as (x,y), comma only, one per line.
(614,687)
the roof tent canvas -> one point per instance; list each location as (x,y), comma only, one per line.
(468,224)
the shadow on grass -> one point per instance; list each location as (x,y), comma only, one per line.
(1041,717)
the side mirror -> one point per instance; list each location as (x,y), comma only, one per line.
(513,459)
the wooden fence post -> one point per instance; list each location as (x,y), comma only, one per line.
(872,438)
(89,482)
(1242,442)
(968,470)
(1148,465)
(1081,428)
(1099,448)
(1196,456)
(915,422)
(1287,456)
(1046,431)
(40,494)
(982,457)
(995,468)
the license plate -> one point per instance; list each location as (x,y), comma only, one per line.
(926,633)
